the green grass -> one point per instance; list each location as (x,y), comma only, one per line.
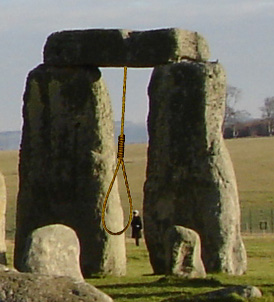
(253,163)
(141,285)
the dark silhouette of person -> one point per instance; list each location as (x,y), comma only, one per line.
(136,226)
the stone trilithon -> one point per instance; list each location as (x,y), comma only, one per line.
(67,156)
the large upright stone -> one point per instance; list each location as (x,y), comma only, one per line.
(120,47)
(67,160)
(3,202)
(190,177)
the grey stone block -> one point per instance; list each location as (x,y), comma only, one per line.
(244,291)
(120,47)
(26,287)
(53,250)
(183,253)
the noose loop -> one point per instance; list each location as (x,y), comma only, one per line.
(120,156)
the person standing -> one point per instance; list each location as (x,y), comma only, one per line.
(137,227)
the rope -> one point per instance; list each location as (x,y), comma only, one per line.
(120,156)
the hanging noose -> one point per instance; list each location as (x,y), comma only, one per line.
(120,156)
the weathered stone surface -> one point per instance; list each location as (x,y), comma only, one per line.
(53,250)
(25,287)
(3,202)
(190,177)
(120,47)
(244,291)
(183,253)
(67,160)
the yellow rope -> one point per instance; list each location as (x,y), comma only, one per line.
(120,156)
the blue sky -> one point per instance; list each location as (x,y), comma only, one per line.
(240,34)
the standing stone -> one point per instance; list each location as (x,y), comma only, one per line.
(190,177)
(67,160)
(53,250)
(3,202)
(183,253)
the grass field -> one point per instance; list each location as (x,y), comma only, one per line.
(9,167)
(253,163)
(141,285)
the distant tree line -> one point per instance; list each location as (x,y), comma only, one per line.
(239,123)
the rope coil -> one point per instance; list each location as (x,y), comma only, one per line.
(120,156)
(121,146)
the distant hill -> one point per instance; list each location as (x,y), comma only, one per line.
(135,133)
(10,140)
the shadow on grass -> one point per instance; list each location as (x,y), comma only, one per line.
(167,282)
(168,287)
(131,296)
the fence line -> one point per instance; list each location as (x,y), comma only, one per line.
(257,220)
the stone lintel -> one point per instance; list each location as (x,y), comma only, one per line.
(121,47)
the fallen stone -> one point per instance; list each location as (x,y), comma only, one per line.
(67,161)
(26,287)
(190,177)
(183,253)
(53,250)
(244,291)
(120,47)
(3,202)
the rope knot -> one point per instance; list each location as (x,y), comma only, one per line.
(121,146)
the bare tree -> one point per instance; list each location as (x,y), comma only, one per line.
(232,115)
(233,95)
(268,114)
